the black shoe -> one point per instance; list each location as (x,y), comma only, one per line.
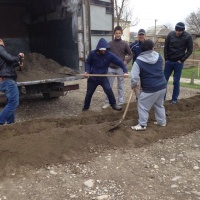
(84,109)
(116,107)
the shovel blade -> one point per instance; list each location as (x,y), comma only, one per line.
(123,117)
(115,126)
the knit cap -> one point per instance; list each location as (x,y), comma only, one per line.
(180,26)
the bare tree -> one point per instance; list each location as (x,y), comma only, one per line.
(193,22)
(124,14)
(169,26)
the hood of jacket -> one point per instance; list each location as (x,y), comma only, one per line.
(150,57)
(102,44)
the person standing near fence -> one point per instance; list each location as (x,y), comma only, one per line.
(178,47)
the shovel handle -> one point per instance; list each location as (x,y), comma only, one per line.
(126,109)
(101,75)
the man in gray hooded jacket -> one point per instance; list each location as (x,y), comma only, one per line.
(148,69)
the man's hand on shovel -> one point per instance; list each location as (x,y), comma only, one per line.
(85,75)
(126,75)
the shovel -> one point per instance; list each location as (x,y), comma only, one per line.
(101,75)
(124,115)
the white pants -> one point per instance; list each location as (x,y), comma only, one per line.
(120,84)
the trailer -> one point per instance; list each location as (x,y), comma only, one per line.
(62,30)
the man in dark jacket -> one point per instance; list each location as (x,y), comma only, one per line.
(178,47)
(8,83)
(98,62)
(136,49)
(136,46)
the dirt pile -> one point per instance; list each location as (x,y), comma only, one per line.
(38,142)
(38,67)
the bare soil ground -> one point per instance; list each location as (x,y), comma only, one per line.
(57,152)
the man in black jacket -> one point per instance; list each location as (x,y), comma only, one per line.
(8,83)
(178,47)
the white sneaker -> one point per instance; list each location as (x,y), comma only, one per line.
(138,128)
(156,123)
(106,106)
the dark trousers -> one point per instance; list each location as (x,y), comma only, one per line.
(92,84)
(175,67)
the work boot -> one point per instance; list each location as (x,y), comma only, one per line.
(116,107)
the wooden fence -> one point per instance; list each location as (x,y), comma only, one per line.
(195,61)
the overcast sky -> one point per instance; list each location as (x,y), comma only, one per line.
(164,11)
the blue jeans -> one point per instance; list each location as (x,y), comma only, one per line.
(9,87)
(175,67)
(92,84)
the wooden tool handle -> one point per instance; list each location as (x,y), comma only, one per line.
(101,75)
(126,109)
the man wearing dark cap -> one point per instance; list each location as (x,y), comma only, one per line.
(136,46)
(136,49)
(178,47)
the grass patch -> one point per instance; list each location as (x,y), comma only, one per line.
(187,72)
(186,85)
(197,52)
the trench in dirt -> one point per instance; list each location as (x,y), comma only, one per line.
(42,142)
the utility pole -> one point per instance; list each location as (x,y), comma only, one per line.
(155,31)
